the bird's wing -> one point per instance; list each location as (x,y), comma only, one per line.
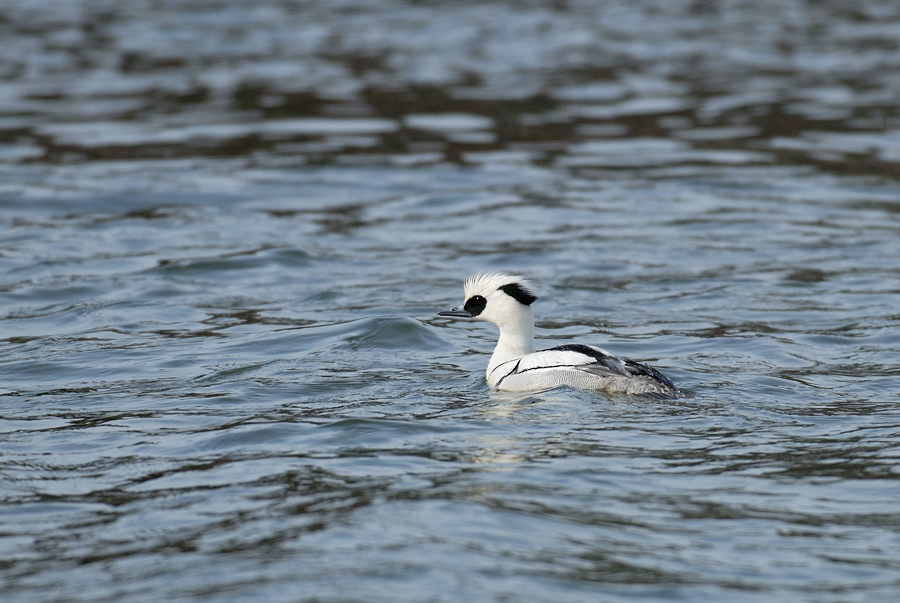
(599,362)
(584,357)
(571,356)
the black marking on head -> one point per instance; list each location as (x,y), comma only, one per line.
(475,305)
(519,293)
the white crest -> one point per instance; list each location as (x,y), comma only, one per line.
(484,283)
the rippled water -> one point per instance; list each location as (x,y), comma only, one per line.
(225,232)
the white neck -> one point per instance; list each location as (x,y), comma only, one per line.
(516,340)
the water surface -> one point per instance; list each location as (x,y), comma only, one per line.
(226,232)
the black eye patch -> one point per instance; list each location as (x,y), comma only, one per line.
(475,305)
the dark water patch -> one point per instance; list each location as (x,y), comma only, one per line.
(807,275)
(398,332)
(253,437)
(232,372)
(251,259)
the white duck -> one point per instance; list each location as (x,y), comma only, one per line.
(515,366)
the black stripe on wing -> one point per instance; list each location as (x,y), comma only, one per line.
(645,369)
(610,363)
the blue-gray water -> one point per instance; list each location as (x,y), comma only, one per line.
(226,228)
